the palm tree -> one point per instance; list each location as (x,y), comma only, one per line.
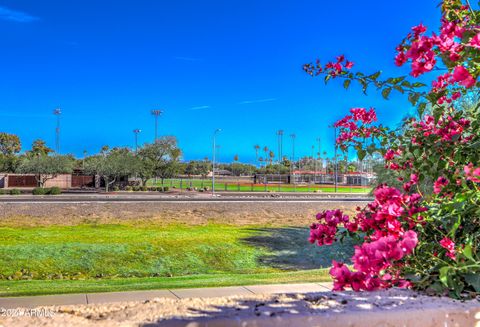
(271,155)
(256,147)
(265,149)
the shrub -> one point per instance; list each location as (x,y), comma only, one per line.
(129,188)
(2,191)
(144,188)
(15,192)
(116,188)
(54,190)
(137,188)
(425,234)
(39,191)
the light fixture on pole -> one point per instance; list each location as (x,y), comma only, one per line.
(136,132)
(57,112)
(156,113)
(218,130)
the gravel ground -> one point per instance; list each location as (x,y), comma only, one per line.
(387,308)
(261,213)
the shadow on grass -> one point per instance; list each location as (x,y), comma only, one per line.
(290,249)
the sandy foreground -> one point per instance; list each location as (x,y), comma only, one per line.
(385,308)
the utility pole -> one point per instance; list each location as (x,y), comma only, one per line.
(136,132)
(218,130)
(57,112)
(156,113)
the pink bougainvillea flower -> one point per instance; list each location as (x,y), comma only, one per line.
(448,245)
(349,64)
(439,184)
(462,76)
(475,41)
(473,174)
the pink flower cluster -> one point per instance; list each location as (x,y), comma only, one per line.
(350,128)
(446,127)
(373,262)
(378,259)
(423,51)
(472,173)
(440,184)
(332,68)
(448,245)
(324,232)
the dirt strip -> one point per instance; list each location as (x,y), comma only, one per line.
(194,213)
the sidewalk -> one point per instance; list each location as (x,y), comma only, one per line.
(94,298)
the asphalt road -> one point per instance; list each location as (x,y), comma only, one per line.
(181,199)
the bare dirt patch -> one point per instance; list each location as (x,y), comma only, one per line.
(194,213)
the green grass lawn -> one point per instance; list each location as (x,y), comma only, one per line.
(247,187)
(89,258)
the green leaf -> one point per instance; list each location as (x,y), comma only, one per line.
(399,89)
(467,252)
(421,108)
(444,275)
(375,75)
(346,84)
(413,98)
(327,77)
(473,280)
(386,92)
(418,84)
(361,153)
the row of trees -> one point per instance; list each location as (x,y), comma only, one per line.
(160,159)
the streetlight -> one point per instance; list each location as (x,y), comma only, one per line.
(156,113)
(136,132)
(336,148)
(218,130)
(57,112)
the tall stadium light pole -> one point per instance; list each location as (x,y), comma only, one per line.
(136,132)
(280,145)
(293,136)
(316,159)
(218,130)
(57,112)
(156,113)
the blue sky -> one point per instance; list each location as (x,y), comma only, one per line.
(234,65)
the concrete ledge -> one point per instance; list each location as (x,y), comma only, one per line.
(386,308)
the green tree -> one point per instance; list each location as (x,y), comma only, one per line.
(46,167)
(112,164)
(9,146)
(39,147)
(159,159)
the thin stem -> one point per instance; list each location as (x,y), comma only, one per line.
(470,7)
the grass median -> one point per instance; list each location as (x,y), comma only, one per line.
(94,258)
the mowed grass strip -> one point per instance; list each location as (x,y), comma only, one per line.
(120,257)
(93,251)
(44,287)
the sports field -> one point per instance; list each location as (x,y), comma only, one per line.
(242,186)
